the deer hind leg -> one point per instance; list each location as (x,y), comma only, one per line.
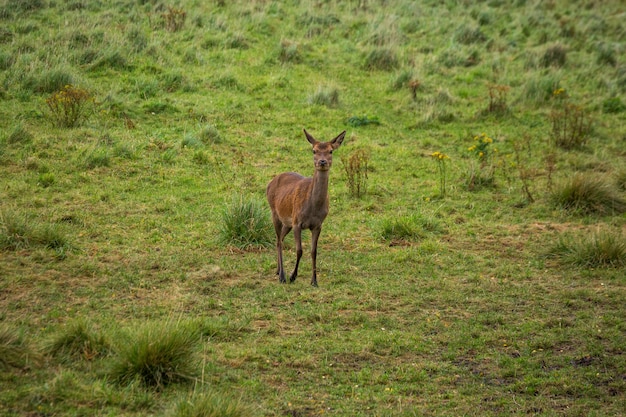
(315,234)
(297,235)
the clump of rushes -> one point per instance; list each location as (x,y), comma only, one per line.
(14,351)
(325,96)
(440,159)
(587,194)
(245,225)
(174,19)
(79,340)
(156,355)
(598,249)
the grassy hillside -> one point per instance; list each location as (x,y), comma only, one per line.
(473,261)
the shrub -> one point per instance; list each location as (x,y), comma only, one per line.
(571,125)
(355,165)
(209,405)
(586,194)
(245,225)
(78,340)
(599,249)
(325,96)
(383,59)
(156,355)
(70,106)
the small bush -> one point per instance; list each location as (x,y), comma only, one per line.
(325,96)
(587,194)
(599,249)
(78,340)
(245,225)
(156,355)
(571,125)
(209,405)
(383,59)
(355,165)
(70,106)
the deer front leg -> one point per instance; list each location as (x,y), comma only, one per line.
(279,249)
(297,235)
(315,234)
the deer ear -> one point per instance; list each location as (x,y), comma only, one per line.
(310,138)
(338,140)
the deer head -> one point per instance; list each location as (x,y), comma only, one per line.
(323,151)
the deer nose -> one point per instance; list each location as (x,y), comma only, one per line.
(323,162)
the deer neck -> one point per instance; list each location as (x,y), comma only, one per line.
(319,189)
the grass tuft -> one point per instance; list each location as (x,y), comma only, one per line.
(17,232)
(207,404)
(156,355)
(78,340)
(245,224)
(19,135)
(325,96)
(600,249)
(587,194)
(14,351)
(382,59)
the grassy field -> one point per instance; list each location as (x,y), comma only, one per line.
(473,261)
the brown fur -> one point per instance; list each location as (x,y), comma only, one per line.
(300,203)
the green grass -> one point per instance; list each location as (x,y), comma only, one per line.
(137,267)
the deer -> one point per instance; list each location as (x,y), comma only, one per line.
(299,203)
